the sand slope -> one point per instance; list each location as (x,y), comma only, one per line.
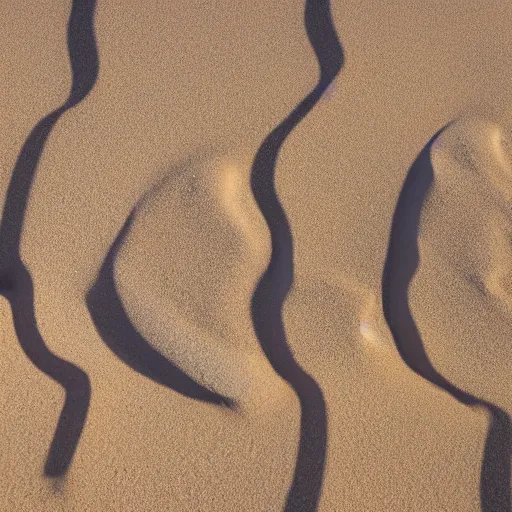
(195,307)
(465,259)
(383,382)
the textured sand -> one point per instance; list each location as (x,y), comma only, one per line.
(369,369)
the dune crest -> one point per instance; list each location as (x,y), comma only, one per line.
(192,305)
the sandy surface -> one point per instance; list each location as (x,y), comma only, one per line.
(340,342)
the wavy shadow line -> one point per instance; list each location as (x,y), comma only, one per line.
(402,261)
(273,287)
(15,280)
(121,337)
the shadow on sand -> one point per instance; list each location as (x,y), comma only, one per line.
(121,337)
(15,280)
(401,263)
(275,283)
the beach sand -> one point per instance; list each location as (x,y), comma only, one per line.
(256,256)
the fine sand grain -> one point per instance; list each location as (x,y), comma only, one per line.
(256,256)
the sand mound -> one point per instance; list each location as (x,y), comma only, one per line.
(465,260)
(186,272)
(157,314)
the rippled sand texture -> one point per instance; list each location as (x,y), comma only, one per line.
(256,256)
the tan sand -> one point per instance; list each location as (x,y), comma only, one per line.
(146,244)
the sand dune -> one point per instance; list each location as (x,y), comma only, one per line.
(196,303)
(464,247)
(256,256)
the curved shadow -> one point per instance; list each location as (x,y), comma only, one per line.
(15,280)
(275,283)
(401,263)
(121,337)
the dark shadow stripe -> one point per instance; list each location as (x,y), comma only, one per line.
(121,337)
(275,283)
(402,261)
(15,280)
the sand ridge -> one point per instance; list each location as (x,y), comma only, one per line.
(203,164)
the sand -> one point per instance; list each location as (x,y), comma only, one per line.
(256,256)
